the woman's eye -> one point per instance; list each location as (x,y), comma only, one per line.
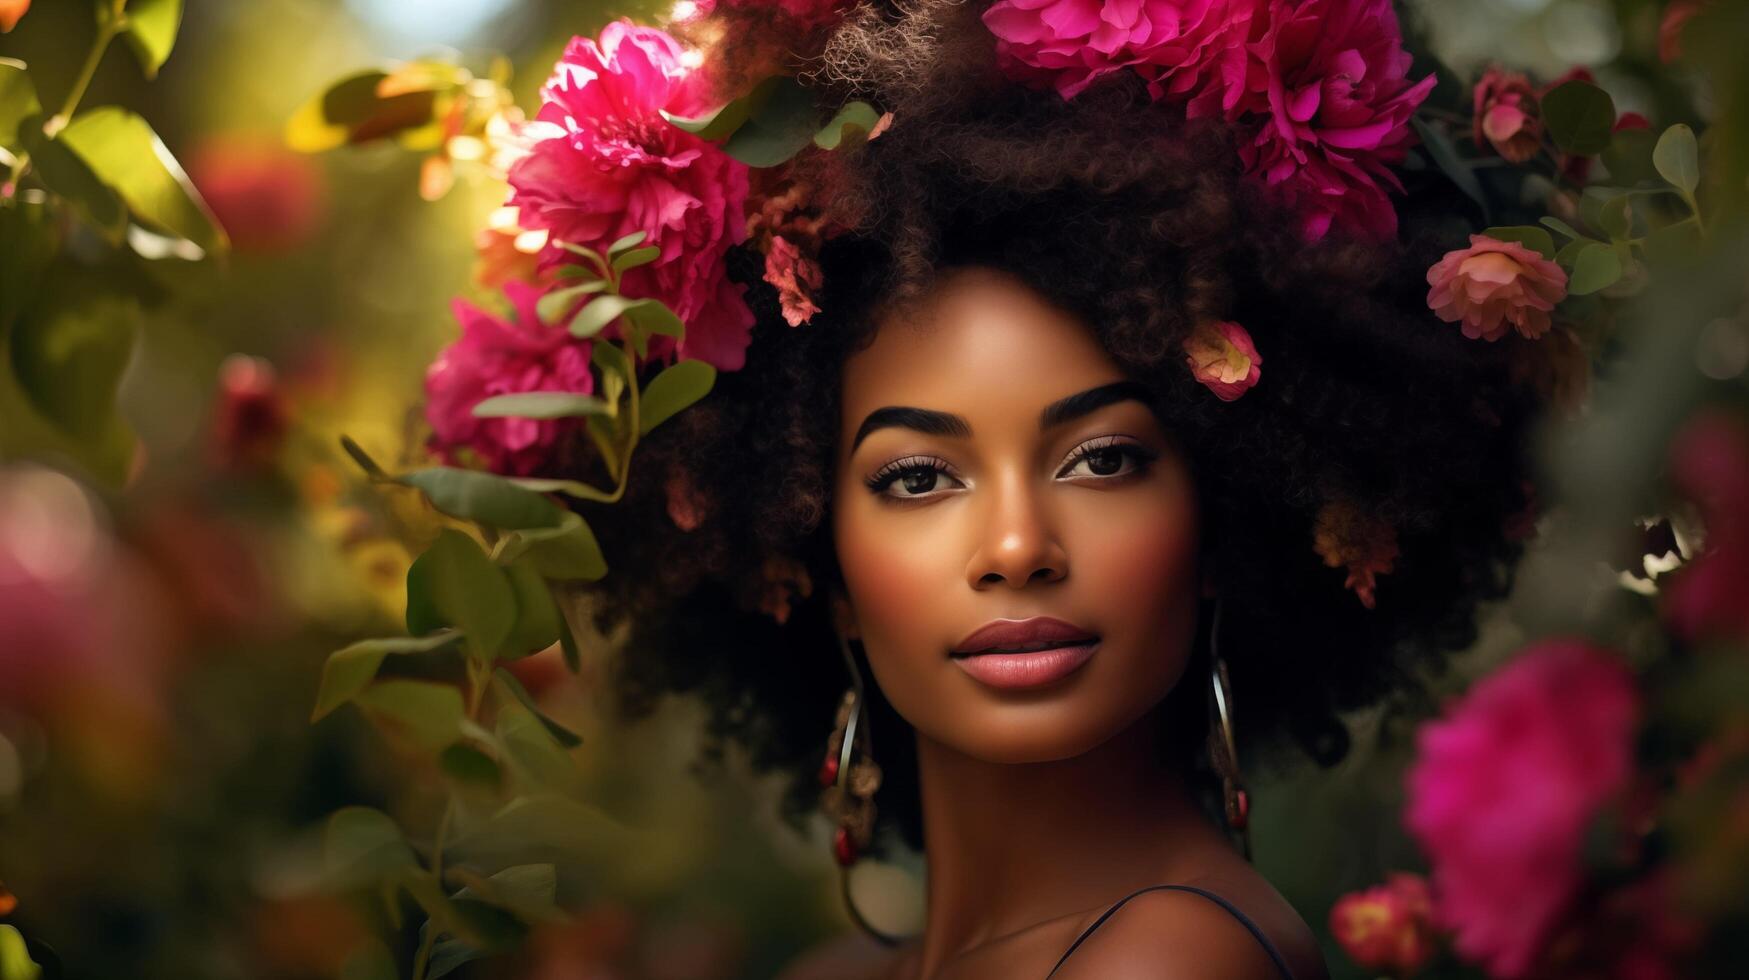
(911,479)
(1110,460)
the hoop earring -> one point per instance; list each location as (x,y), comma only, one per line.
(1223,750)
(848,788)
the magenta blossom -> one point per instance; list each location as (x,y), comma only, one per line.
(1504,787)
(1332,81)
(611,165)
(499,356)
(1188,48)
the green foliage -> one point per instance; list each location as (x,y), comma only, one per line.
(1677,158)
(1596,266)
(15,961)
(358,109)
(360,846)
(1580,117)
(854,118)
(350,670)
(151,31)
(122,151)
(455,584)
(426,713)
(18,101)
(674,389)
(483,497)
(777,126)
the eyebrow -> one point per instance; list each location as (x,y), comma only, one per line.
(1067,409)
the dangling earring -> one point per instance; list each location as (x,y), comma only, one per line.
(1223,750)
(848,787)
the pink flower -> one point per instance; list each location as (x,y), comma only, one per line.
(1222,357)
(1506,115)
(1348,537)
(797,279)
(1387,928)
(1709,463)
(498,356)
(1677,14)
(1504,787)
(1333,82)
(612,166)
(1178,45)
(1494,284)
(266,197)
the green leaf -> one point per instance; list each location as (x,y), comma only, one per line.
(652,316)
(855,117)
(362,458)
(455,584)
(730,116)
(476,923)
(1614,218)
(537,761)
(151,31)
(1580,117)
(426,713)
(361,846)
(1445,157)
(1677,157)
(352,111)
(69,176)
(777,128)
(18,101)
(483,497)
(554,305)
(507,684)
(568,646)
(470,767)
(600,312)
(1561,226)
(1530,236)
(540,405)
(122,150)
(70,348)
(543,828)
(636,257)
(350,670)
(537,618)
(526,891)
(371,961)
(626,243)
(15,961)
(1629,157)
(672,390)
(565,553)
(1595,267)
(1569,252)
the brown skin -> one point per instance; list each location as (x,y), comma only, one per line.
(1040,807)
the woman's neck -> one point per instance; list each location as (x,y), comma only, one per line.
(1009,846)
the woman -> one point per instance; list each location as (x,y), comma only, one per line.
(1021,494)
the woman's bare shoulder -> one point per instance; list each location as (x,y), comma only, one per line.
(850,955)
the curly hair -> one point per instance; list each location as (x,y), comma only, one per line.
(1117,209)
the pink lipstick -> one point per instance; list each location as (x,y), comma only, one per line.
(1023,653)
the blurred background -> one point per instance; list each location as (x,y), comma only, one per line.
(162,790)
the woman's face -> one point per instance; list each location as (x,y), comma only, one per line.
(994,463)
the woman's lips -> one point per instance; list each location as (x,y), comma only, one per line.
(1012,670)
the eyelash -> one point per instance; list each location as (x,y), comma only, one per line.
(892,472)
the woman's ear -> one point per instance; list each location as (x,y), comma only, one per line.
(844,616)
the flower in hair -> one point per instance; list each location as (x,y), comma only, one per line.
(1332,83)
(1493,286)
(1347,537)
(1506,115)
(1222,357)
(610,165)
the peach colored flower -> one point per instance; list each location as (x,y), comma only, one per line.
(797,279)
(687,507)
(1387,928)
(1222,357)
(1345,536)
(1494,284)
(1506,115)
(11,12)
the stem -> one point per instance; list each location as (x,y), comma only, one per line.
(108,26)
(422,958)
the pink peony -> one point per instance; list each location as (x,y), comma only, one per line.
(1494,284)
(497,356)
(1333,83)
(1504,787)
(1180,46)
(1709,463)
(1506,115)
(797,278)
(612,166)
(1387,928)
(1222,357)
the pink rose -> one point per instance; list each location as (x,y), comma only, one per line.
(1494,284)
(1506,115)
(612,166)
(1709,463)
(1222,357)
(797,278)
(1332,80)
(1180,46)
(1502,791)
(499,356)
(1387,928)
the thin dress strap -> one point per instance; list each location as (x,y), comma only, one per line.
(1268,947)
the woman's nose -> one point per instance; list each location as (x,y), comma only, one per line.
(1017,543)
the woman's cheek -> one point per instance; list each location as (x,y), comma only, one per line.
(897,568)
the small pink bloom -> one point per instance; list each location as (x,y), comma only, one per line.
(1222,357)
(1709,463)
(797,279)
(250,415)
(1494,284)
(1184,48)
(504,356)
(267,198)
(1387,928)
(687,507)
(1332,80)
(1677,14)
(612,166)
(1503,788)
(1347,537)
(1506,115)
